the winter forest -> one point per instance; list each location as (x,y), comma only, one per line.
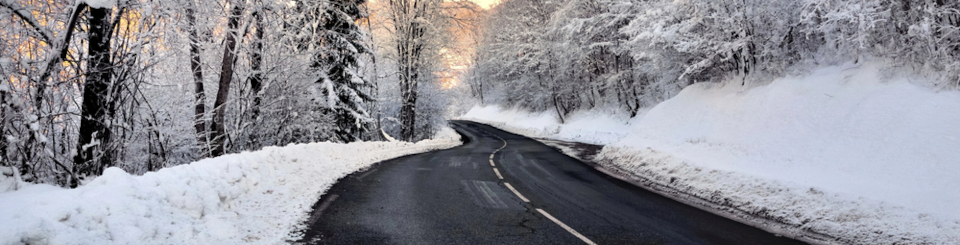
(147,84)
(581,54)
(143,85)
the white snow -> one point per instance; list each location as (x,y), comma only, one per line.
(257,197)
(595,127)
(850,151)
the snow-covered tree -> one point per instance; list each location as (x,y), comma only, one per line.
(342,43)
(580,54)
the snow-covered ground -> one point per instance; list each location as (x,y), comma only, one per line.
(851,152)
(593,127)
(259,197)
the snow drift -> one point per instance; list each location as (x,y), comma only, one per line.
(248,198)
(584,126)
(850,152)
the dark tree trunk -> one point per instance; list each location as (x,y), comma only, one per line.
(409,50)
(4,119)
(199,108)
(480,90)
(94,153)
(408,93)
(408,111)
(218,136)
(256,79)
(256,64)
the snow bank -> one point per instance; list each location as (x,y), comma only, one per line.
(248,198)
(841,152)
(586,126)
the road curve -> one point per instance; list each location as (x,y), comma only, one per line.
(526,193)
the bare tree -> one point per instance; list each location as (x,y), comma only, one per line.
(411,20)
(94,153)
(196,68)
(218,128)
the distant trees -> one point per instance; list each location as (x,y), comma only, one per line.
(583,54)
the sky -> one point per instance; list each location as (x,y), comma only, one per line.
(486,4)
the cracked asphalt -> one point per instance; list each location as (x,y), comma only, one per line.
(453,196)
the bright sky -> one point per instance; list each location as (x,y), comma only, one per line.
(486,4)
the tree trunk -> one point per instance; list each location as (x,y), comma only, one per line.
(410,32)
(94,153)
(4,119)
(199,108)
(256,64)
(408,110)
(480,86)
(256,80)
(218,136)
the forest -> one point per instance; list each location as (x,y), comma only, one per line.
(146,84)
(143,85)
(624,55)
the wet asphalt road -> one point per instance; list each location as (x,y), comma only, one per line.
(454,196)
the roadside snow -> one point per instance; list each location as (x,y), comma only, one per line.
(585,126)
(247,198)
(841,152)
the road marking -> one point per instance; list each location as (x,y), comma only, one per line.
(565,227)
(516,192)
(498,149)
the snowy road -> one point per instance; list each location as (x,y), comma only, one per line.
(501,188)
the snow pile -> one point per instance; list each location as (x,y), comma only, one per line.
(248,198)
(585,126)
(841,152)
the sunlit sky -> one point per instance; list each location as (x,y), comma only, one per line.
(486,4)
(456,62)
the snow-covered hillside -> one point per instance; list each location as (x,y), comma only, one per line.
(851,152)
(248,198)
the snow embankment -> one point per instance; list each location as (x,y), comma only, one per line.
(583,126)
(841,152)
(257,197)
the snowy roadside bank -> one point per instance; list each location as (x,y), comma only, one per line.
(836,152)
(247,198)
